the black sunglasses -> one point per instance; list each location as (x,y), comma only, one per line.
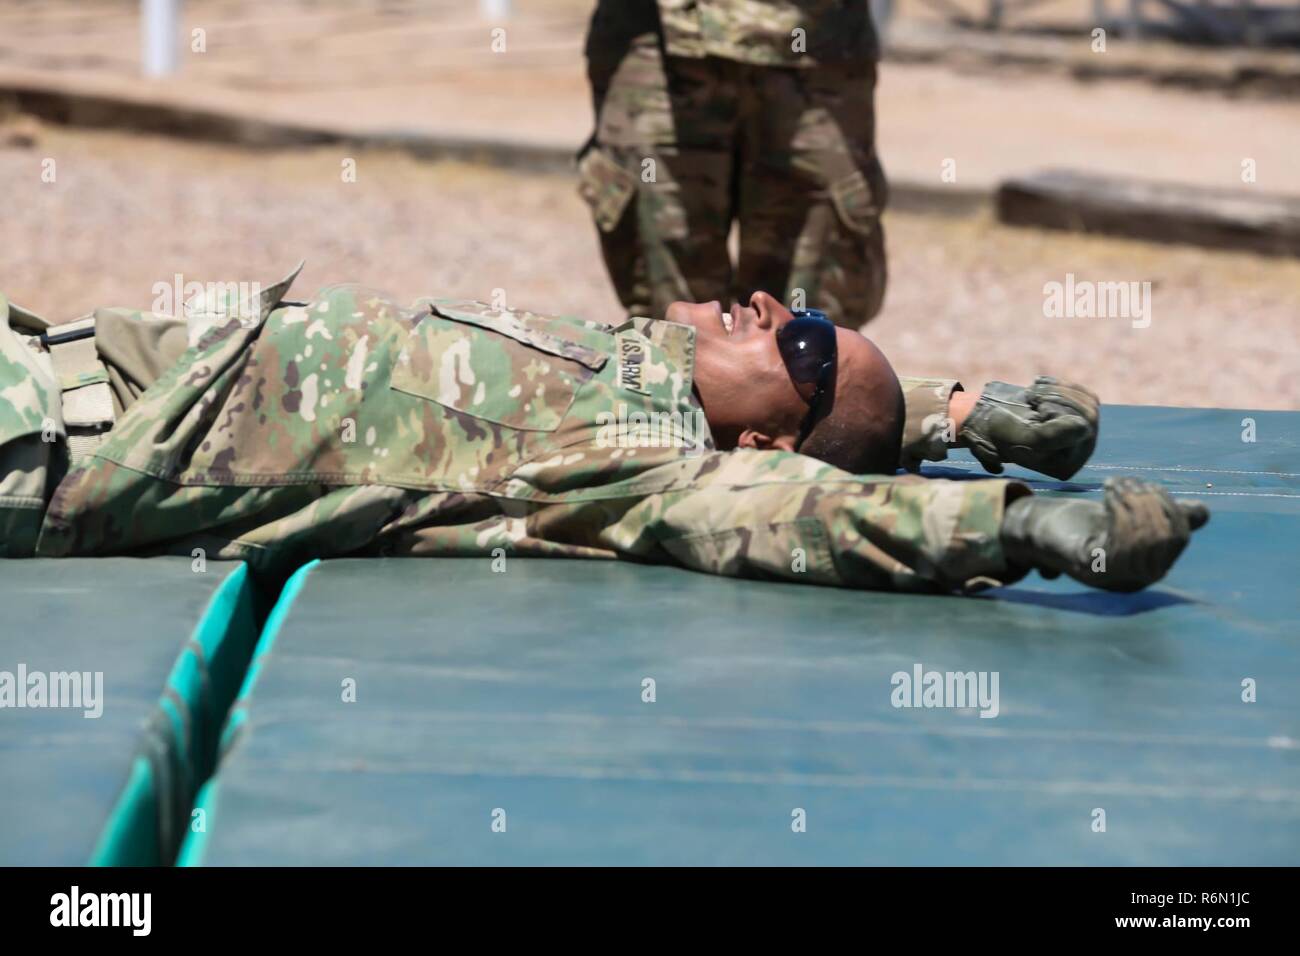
(808,348)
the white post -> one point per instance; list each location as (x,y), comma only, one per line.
(159,22)
(494,9)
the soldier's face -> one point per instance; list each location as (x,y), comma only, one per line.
(741,379)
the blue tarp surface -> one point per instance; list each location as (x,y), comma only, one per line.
(166,640)
(439,711)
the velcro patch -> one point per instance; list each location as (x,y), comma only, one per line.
(630,349)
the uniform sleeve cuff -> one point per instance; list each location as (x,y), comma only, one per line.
(926,428)
(981,561)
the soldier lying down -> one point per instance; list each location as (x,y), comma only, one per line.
(754,443)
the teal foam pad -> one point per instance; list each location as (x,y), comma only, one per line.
(172,644)
(484,697)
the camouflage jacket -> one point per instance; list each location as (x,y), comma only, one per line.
(791,33)
(350,425)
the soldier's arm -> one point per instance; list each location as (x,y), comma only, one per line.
(1049,426)
(777,515)
(928,431)
(780,516)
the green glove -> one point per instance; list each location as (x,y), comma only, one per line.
(1050,427)
(1125,542)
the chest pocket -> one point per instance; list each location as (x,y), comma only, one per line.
(499,366)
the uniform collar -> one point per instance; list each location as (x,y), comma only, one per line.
(676,340)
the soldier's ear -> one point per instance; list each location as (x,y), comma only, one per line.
(750,438)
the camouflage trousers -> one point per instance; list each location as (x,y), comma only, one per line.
(684,148)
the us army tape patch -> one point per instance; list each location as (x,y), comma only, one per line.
(631,351)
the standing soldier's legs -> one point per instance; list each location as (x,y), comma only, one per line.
(659,173)
(683,219)
(812,190)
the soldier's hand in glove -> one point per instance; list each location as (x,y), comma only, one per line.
(1050,427)
(1125,542)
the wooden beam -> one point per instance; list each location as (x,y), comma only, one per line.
(1240,218)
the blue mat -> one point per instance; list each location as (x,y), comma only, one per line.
(502,717)
(170,645)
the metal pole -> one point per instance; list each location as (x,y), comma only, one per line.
(1099,14)
(1136,26)
(494,9)
(159,23)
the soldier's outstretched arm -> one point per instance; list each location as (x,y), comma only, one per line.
(776,515)
(1049,426)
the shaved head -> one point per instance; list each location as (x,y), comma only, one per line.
(861,428)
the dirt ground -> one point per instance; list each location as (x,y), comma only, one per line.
(966,296)
(428,67)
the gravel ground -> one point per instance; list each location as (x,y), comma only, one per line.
(966,297)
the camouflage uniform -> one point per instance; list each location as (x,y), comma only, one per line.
(710,112)
(351,425)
